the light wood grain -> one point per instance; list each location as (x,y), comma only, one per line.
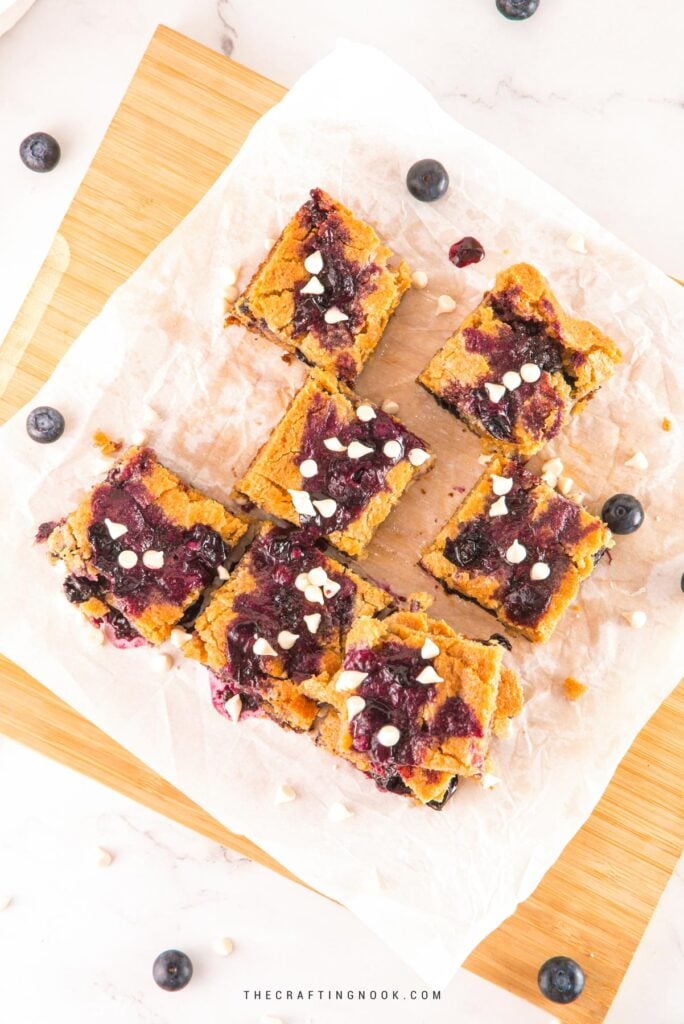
(184,116)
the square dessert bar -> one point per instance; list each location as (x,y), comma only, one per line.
(417,704)
(326,290)
(335,463)
(141,549)
(517,548)
(518,365)
(273,635)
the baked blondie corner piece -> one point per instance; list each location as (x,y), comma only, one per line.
(327,288)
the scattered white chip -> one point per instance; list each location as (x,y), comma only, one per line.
(153,559)
(445,304)
(365,413)
(419,279)
(233,707)
(127,559)
(308,468)
(339,812)
(392,449)
(333,444)
(553,466)
(334,316)
(302,502)
(516,553)
(102,858)
(576,243)
(269,243)
(314,594)
(285,794)
(313,621)
(349,679)
(161,662)
(223,946)
(179,637)
(355,706)
(4,901)
(331,588)
(222,573)
(150,416)
(230,275)
(637,620)
(484,460)
(490,781)
(428,675)
(115,530)
(96,636)
(318,576)
(495,391)
(231,293)
(313,287)
(313,263)
(540,571)
(637,461)
(326,506)
(501,484)
(388,736)
(550,479)
(138,437)
(565,484)
(261,646)
(511,380)
(302,581)
(530,373)
(357,450)
(498,507)
(429,649)
(390,407)
(418,457)
(287,640)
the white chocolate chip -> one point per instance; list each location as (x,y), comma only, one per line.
(530,373)
(419,279)
(334,316)
(222,573)
(313,263)
(553,466)
(138,437)
(490,781)
(550,479)
(355,706)
(4,901)
(326,506)
(153,559)
(365,413)
(333,444)
(637,620)
(287,640)
(339,812)
(484,460)
(390,407)
(161,662)
(302,502)
(349,680)
(102,858)
(540,571)
(516,553)
(115,530)
(331,588)
(233,707)
(418,457)
(313,621)
(501,484)
(318,576)
(179,637)
(445,304)
(495,392)
(230,294)
(312,287)
(127,559)
(392,449)
(576,243)
(308,468)
(223,946)
(637,461)
(429,649)
(388,736)
(357,450)
(230,275)
(96,636)
(498,507)
(511,380)
(428,675)
(313,594)
(302,581)
(565,484)
(150,416)
(285,794)
(269,243)
(261,647)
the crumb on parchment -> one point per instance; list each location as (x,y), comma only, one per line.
(573,688)
(105,443)
(666,424)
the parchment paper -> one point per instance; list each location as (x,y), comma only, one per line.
(432,885)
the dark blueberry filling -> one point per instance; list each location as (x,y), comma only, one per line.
(121,627)
(351,483)
(345,282)
(79,589)
(44,531)
(501,640)
(481,544)
(466,251)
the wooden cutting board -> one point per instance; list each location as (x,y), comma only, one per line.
(184,116)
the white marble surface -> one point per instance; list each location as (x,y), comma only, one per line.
(591,96)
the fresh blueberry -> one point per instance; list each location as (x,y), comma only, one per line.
(44,424)
(560,979)
(517,10)
(40,152)
(681,583)
(466,251)
(622,513)
(427,180)
(172,970)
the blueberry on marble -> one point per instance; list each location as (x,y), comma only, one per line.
(623,513)
(561,979)
(44,424)
(172,970)
(517,10)
(427,180)
(40,152)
